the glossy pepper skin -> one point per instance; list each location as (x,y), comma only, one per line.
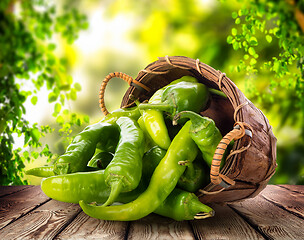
(203,132)
(182,205)
(82,148)
(154,122)
(124,171)
(162,183)
(78,153)
(153,119)
(191,180)
(112,117)
(73,153)
(91,187)
(194,176)
(179,97)
(44,171)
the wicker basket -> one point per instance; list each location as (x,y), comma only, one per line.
(252,160)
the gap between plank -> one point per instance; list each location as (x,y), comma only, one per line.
(295,191)
(127,231)
(192,230)
(67,223)
(246,219)
(23,214)
(282,207)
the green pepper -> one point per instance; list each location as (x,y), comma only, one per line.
(44,171)
(154,122)
(91,187)
(112,117)
(101,160)
(179,97)
(194,176)
(79,152)
(191,180)
(124,171)
(82,148)
(181,205)
(149,143)
(153,119)
(163,181)
(203,132)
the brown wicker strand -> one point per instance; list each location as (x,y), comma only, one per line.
(173,65)
(105,81)
(153,72)
(222,75)
(197,63)
(238,108)
(215,176)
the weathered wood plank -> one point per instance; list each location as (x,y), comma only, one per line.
(294,188)
(17,204)
(45,222)
(286,199)
(85,227)
(226,224)
(6,190)
(157,227)
(271,220)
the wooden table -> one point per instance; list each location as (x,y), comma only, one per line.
(276,213)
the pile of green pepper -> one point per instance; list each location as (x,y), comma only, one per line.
(150,158)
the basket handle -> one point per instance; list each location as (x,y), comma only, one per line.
(123,76)
(238,132)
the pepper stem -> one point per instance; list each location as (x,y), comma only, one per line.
(116,187)
(196,119)
(157,106)
(200,210)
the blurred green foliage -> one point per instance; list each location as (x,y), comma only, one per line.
(258,43)
(27,58)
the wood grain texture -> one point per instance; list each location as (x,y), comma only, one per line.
(157,227)
(288,200)
(5,190)
(19,203)
(226,224)
(85,227)
(45,222)
(294,188)
(271,220)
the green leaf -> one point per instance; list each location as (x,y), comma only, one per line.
(86,118)
(34,100)
(52,97)
(253,61)
(77,86)
(60,120)
(51,46)
(268,38)
(234,31)
(251,51)
(35,134)
(57,108)
(234,15)
(73,94)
